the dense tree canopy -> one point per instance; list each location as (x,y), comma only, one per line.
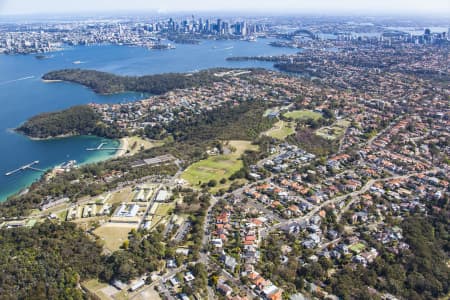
(144,253)
(107,83)
(419,273)
(46,262)
(77,120)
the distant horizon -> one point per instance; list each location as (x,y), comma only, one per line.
(131,13)
(404,8)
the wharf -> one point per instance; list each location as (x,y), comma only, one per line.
(25,167)
(100,148)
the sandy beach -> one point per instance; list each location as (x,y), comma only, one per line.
(124,147)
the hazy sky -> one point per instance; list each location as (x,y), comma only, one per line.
(441,7)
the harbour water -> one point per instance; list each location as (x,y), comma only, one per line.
(23,95)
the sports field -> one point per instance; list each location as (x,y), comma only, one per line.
(218,166)
(303,115)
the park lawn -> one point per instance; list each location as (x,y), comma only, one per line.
(219,166)
(281,130)
(303,114)
(113,235)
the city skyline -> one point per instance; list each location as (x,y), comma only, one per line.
(414,7)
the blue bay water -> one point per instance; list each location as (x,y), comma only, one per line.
(23,95)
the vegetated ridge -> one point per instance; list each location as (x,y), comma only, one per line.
(107,83)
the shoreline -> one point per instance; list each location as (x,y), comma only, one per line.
(33,138)
(51,80)
(48,138)
(123,143)
(61,136)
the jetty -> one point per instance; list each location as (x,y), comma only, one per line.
(100,148)
(25,167)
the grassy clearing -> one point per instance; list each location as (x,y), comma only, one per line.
(122,295)
(281,130)
(156,221)
(35,212)
(113,235)
(53,210)
(134,144)
(94,286)
(303,115)
(123,195)
(85,223)
(335,131)
(62,215)
(357,248)
(267,112)
(163,209)
(217,167)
